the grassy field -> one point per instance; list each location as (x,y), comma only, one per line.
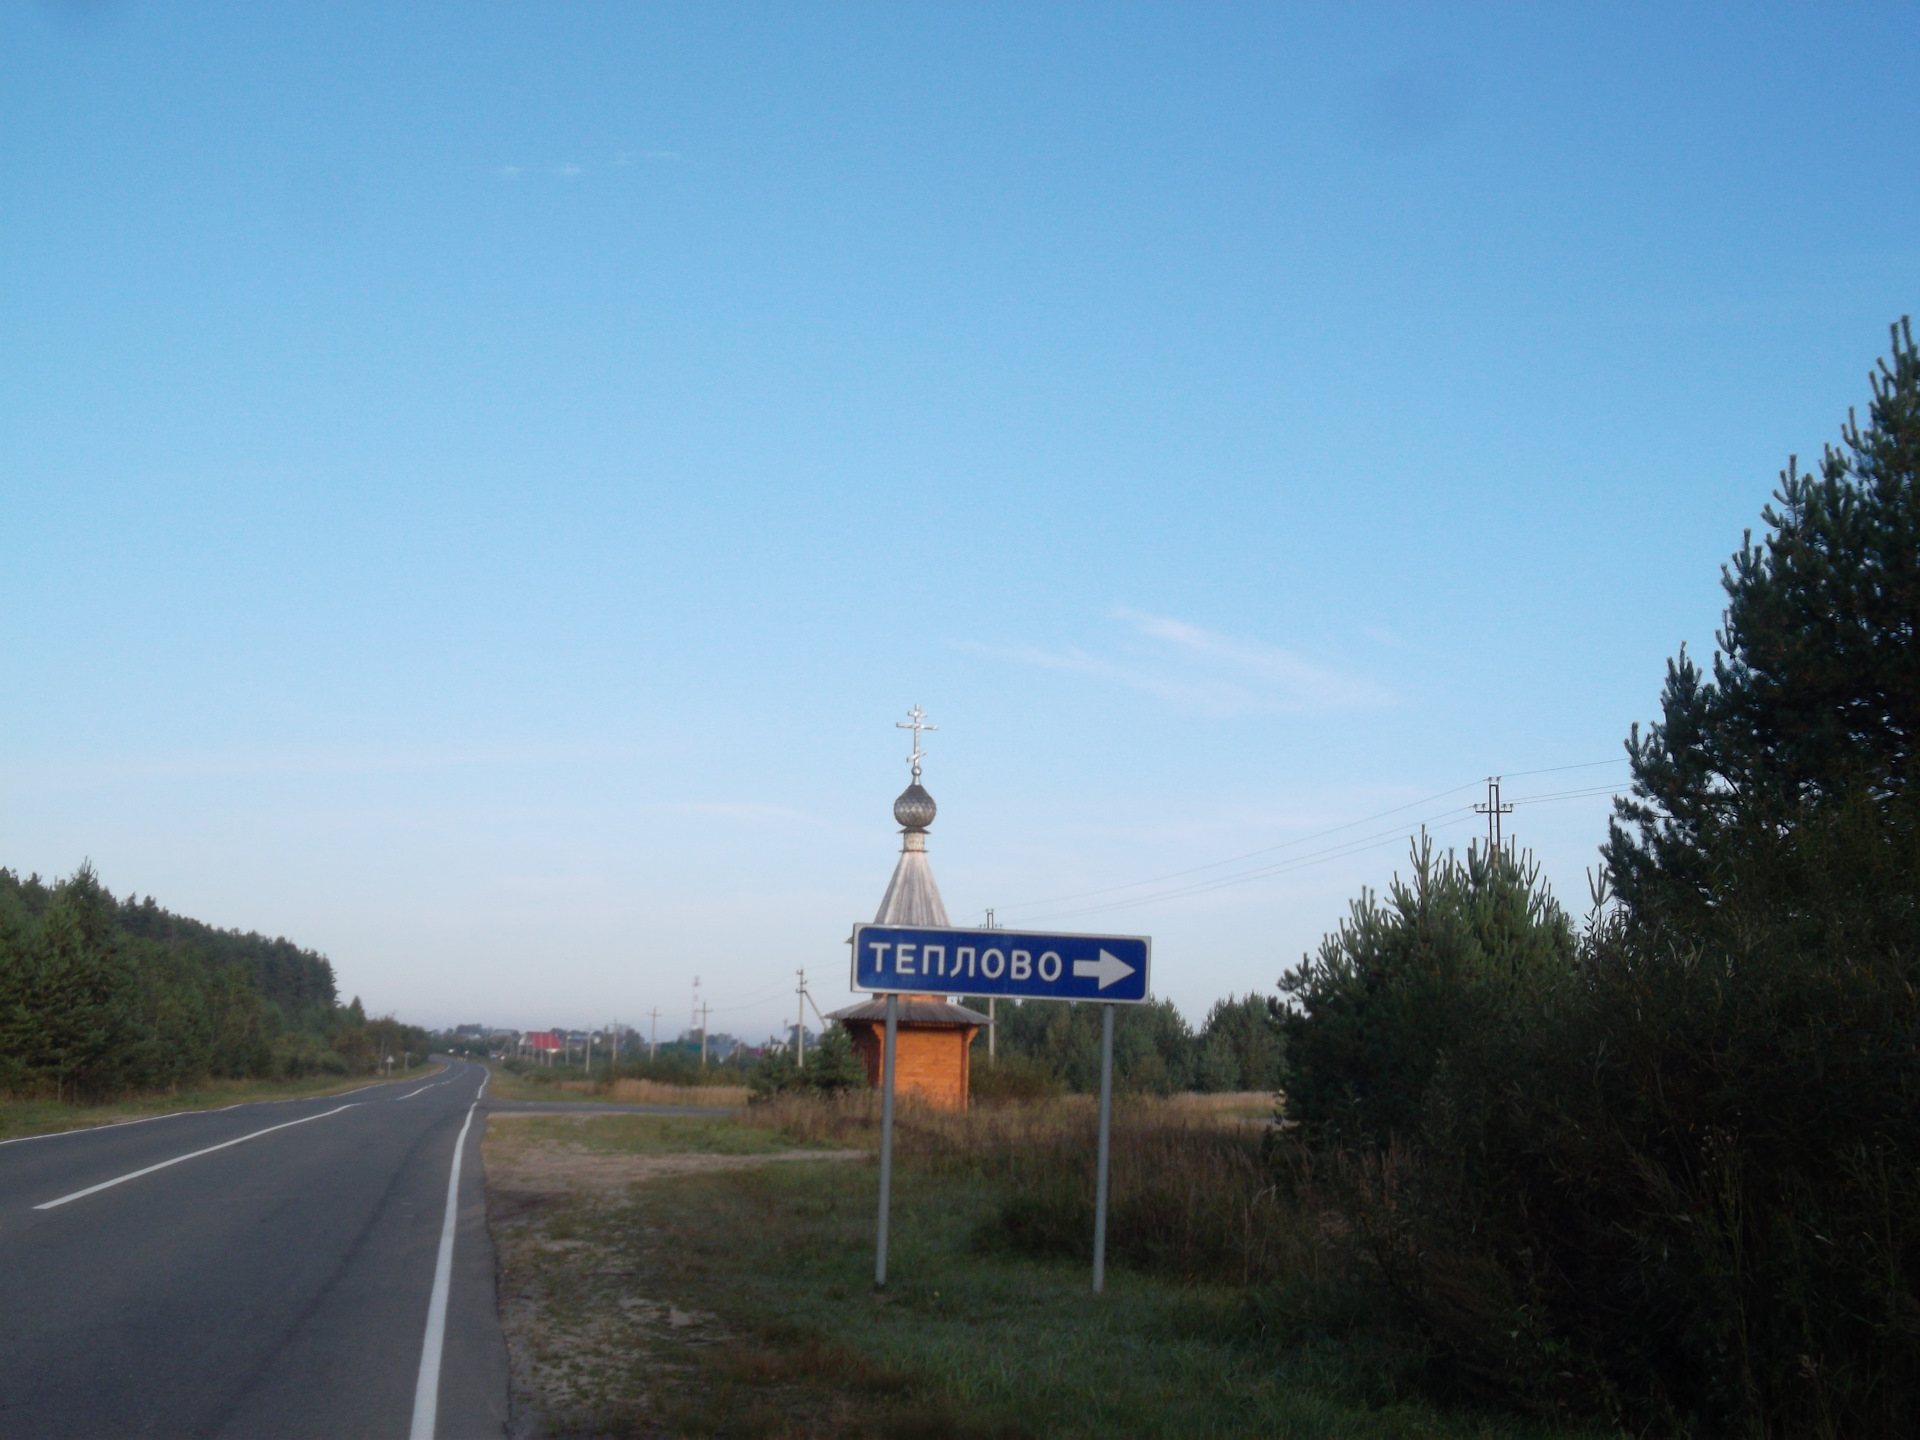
(533,1085)
(20,1118)
(715,1277)
(613,1135)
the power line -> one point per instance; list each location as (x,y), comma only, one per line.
(1556,769)
(751,1001)
(1567,795)
(1306,839)
(1444,820)
(1438,820)
(1249,855)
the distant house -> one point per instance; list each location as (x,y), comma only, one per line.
(545,1044)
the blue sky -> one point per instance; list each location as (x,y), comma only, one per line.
(479,483)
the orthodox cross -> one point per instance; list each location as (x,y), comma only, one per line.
(916,721)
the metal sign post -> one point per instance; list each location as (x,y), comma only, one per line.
(886,1139)
(1106,1128)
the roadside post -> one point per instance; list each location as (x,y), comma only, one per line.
(886,1138)
(1106,1130)
(1107,970)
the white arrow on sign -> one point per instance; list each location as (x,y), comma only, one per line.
(1107,969)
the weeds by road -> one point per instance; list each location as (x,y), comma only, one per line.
(664,1277)
(533,1084)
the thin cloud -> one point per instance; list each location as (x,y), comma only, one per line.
(1313,687)
(510,172)
(1200,670)
(567,171)
(651,157)
(1213,697)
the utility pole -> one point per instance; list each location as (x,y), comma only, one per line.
(1493,810)
(800,1017)
(807,995)
(703,1034)
(653,1035)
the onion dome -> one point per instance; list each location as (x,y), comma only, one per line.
(915,808)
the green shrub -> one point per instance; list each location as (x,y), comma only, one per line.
(1431,984)
(1010,1079)
(832,1068)
(1242,1046)
(1678,1183)
(1152,1044)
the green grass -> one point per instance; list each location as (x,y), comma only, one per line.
(506,1085)
(40,1117)
(782,1334)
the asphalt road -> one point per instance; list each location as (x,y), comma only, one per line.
(275,1286)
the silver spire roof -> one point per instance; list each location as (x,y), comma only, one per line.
(912,898)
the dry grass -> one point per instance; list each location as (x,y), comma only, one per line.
(1259,1106)
(989,1131)
(652,1092)
(531,1085)
(1195,1190)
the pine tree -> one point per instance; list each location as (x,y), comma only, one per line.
(67,994)
(1419,989)
(1815,695)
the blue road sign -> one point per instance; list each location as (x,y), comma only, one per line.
(1111,968)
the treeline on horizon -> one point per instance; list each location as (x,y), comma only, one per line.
(1041,1047)
(1050,1047)
(102,997)
(1046,1046)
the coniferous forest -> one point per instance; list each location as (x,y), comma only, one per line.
(1665,1166)
(102,997)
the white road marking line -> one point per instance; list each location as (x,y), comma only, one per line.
(177,1114)
(426,1390)
(191,1155)
(112,1125)
(411,1093)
